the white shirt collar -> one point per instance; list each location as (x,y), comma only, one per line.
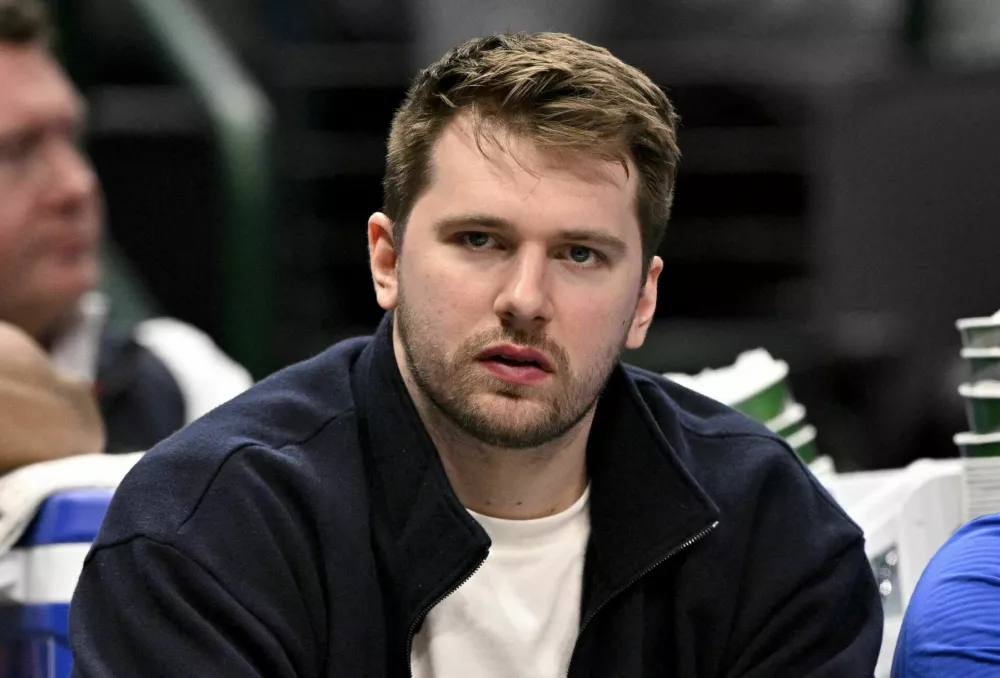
(74,352)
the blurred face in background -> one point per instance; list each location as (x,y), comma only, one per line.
(50,205)
(518,283)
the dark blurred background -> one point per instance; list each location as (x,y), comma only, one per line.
(837,202)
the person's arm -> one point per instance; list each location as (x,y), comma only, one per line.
(809,605)
(952,625)
(43,416)
(227,586)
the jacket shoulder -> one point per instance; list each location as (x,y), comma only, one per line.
(286,433)
(737,460)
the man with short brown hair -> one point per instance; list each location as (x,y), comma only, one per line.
(482,488)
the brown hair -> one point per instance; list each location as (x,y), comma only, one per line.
(24,22)
(562,93)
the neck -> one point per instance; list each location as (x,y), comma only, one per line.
(516,484)
(512,484)
(44,325)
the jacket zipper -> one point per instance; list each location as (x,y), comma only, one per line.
(670,554)
(426,611)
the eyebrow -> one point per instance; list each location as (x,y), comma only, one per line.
(79,116)
(596,237)
(467,220)
(586,235)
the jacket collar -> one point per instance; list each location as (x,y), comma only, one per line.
(643,502)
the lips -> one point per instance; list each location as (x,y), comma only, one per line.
(70,246)
(517,357)
(70,241)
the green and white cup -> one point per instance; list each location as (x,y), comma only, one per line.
(791,420)
(984,363)
(979,445)
(980,332)
(982,404)
(768,401)
(804,444)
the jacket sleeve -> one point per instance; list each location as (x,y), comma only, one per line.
(234,590)
(144,608)
(809,606)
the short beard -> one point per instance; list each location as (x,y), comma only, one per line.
(451,386)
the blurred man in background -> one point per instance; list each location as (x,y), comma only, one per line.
(146,384)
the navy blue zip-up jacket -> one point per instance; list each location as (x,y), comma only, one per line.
(306,528)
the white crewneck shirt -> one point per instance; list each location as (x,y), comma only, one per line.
(518,616)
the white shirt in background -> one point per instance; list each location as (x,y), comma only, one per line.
(518,616)
(205,375)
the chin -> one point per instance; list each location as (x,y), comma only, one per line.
(509,407)
(65,297)
(76,279)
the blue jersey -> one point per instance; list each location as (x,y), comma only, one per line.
(952,624)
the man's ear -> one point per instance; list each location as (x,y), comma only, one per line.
(383,258)
(646,307)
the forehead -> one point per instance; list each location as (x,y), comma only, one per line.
(32,87)
(513,178)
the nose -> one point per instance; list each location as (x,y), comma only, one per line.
(72,181)
(524,301)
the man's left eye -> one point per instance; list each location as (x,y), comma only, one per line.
(581,254)
(476,240)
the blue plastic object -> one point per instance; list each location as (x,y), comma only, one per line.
(71,517)
(34,639)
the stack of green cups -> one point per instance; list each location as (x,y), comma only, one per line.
(984,363)
(803,442)
(981,352)
(980,446)
(768,399)
(980,332)
(757,385)
(982,405)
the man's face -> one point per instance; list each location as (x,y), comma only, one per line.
(50,207)
(518,284)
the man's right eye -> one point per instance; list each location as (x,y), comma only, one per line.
(18,149)
(477,240)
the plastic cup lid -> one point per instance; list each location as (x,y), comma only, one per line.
(981,352)
(968,438)
(792,414)
(980,389)
(991,321)
(803,436)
